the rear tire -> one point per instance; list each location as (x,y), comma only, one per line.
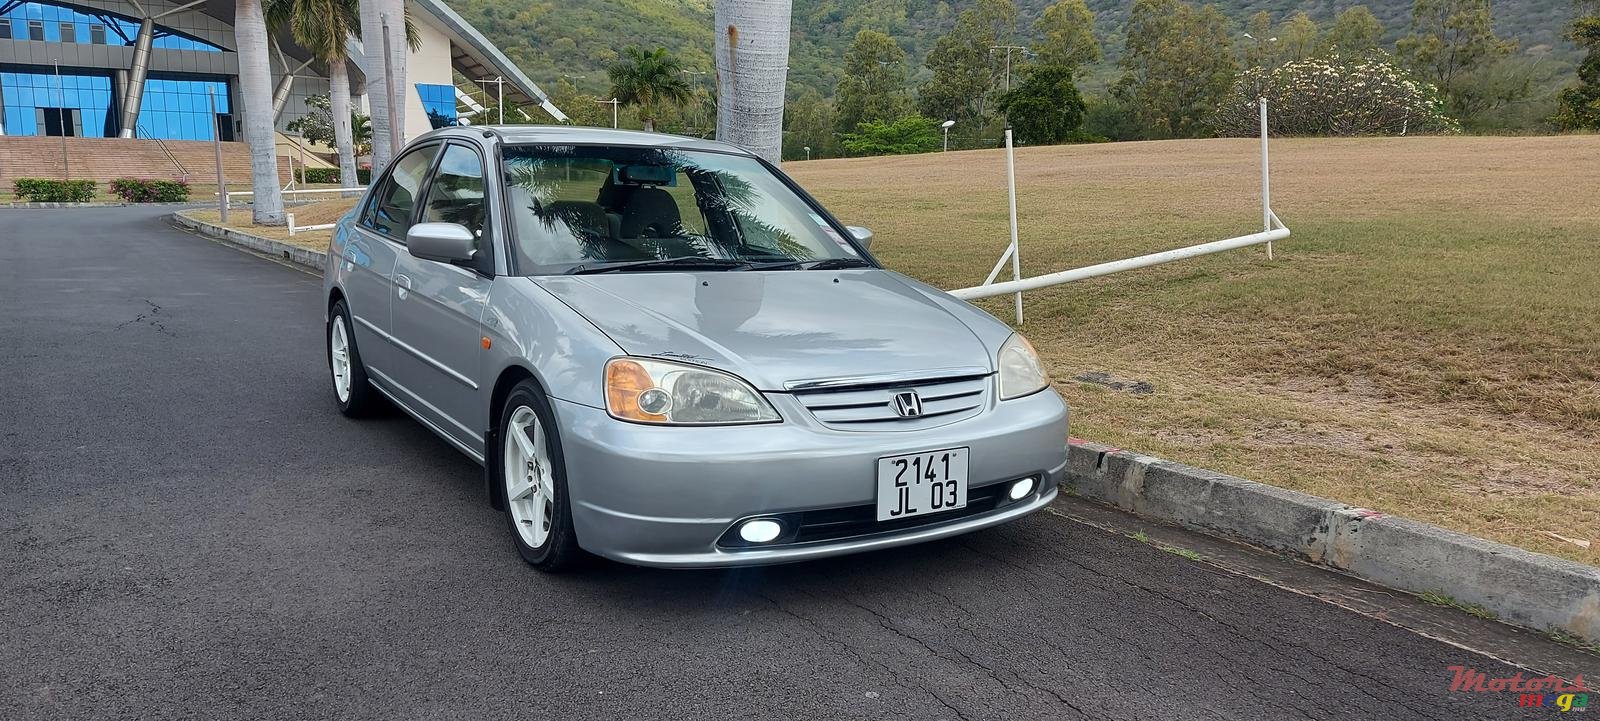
(531,478)
(352,391)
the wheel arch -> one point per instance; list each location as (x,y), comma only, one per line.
(509,378)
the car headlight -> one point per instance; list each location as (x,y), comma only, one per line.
(1021,371)
(661,392)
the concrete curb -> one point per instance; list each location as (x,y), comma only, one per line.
(1521,587)
(304,257)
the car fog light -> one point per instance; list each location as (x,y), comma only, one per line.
(1020,489)
(760,530)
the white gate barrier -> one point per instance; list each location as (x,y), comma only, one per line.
(1272,229)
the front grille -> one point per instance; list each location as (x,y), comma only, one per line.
(871,408)
(848,522)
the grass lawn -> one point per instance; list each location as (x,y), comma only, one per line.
(1427,343)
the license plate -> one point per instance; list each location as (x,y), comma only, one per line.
(920,483)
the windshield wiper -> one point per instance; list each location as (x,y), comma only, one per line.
(683,263)
(824,264)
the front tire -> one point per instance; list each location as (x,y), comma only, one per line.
(533,482)
(351,389)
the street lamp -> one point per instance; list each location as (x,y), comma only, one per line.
(808,152)
(613,103)
(946,125)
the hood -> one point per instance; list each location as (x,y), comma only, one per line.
(776,327)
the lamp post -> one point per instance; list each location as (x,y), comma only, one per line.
(613,103)
(808,152)
(946,126)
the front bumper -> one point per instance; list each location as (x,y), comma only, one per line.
(663,496)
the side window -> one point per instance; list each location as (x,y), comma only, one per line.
(456,194)
(391,209)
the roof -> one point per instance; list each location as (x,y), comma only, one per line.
(474,56)
(580,135)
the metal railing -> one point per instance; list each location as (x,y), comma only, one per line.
(1272,230)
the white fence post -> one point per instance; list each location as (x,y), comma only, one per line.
(289,218)
(1266,179)
(1011,188)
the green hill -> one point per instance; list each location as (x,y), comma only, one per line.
(577,39)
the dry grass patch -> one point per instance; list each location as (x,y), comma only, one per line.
(318,213)
(1426,344)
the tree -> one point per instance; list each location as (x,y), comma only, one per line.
(910,134)
(1297,38)
(1367,95)
(1066,32)
(581,108)
(648,80)
(255,91)
(1580,104)
(1046,107)
(383,71)
(809,122)
(963,71)
(1177,65)
(317,126)
(323,27)
(1450,40)
(1354,31)
(874,82)
(752,56)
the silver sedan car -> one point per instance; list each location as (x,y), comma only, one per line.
(664,352)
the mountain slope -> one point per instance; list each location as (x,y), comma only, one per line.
(577,39)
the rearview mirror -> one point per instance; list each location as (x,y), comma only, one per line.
(861,234)
(443,242)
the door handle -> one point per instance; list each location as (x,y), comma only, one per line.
(402,285)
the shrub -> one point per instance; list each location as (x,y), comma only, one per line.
(40,190)
(1334,96)
(330,176)
(910,134)
(135,190)
(1046,108)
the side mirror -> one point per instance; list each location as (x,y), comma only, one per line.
(861,234)
(443,242)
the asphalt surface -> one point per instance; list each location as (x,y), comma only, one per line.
(188,529)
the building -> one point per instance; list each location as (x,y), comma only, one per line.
(159,69)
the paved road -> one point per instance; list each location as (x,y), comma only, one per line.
(189,530)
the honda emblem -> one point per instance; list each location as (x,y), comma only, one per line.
(907,404)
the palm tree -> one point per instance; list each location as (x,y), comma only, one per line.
(323,27)
(255,90)
(648,79)
(373,14)
(752,67)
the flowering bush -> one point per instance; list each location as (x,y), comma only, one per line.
(1334,96)
(135,190)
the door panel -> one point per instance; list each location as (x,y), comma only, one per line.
(368,262)
(438,306)
(376,243)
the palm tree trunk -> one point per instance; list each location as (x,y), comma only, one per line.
(649,125)
(373,12)
(752,68)
(255,91)
(339,106)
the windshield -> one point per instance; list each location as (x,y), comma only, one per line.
(582,208)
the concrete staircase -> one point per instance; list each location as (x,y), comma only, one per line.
(106,159)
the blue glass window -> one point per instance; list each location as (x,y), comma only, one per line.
(177,109)
(32,98)
(440,102)
(53,23)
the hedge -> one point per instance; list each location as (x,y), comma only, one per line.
(40,190)
(135,190)
(330,176)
